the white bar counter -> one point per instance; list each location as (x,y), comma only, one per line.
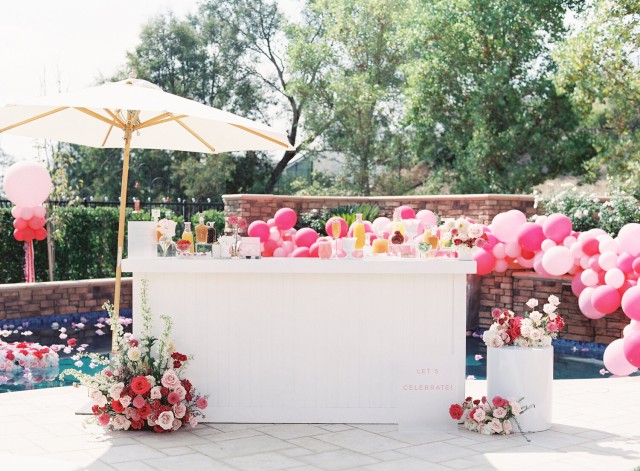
(316,341)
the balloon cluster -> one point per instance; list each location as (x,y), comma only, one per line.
(27,185)
(605,270)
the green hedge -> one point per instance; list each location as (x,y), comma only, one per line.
(85,240)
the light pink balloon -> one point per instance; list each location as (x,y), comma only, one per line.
(586,306)
(499,250)
(27,183)
(274,234)
(525,262)
(628,238)
(288,246)
(280,252)
(608,260)
(607,244)
(501,265)
(506,225)
(271,222)
(547,244)
(540,220)
(26,212)
(614,278)
(632,327)
(512,249)
(557,227)
(576,250)
(428,218)
(557,260)
(605,299)
(39,211)
(285,218)
(380,223)
(584,262)
(16,211)
(589,277)
(537,264)
(631,303)
(615,361)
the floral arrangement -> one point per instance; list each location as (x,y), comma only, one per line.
(237,225)
(142,387)
(462,232)
(488,418)
(166,228)
(535,329)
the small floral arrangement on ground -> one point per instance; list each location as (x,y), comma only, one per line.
(535,329)
(488,418)
(462,231)
(142,386)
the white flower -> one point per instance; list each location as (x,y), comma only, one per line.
(167,227)
(499,412)
(134,354)
(125,401)
(506,425)
(522,342)
(78,363)
(155,392)
(496,425)
(120,422)
(532,303)
(578,214)
(475,231)
(545,341)
(585,212)
(554,300)
(98,398)
(27,332)
(548,308)
(116,390)
(515,407)
(165,420)
(525,330)
(151,379)
(497,342)
(552,316)
(536,317)
(535,335)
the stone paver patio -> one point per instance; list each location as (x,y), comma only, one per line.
(596,427)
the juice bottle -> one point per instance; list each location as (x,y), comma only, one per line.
(201,231)
(397,224)
(188,235)
(359,232)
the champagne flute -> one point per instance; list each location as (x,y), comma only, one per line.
(336,229)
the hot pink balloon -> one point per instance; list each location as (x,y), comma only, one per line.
(285,218)
(530,236)
(614,278)
(313,250)
(428,218)
(279,252)
(343,226)
(586,305)
(628,239)
(485,261)
(605,299)
(259,229)
(625,262)
(507,225)
(615,361)
(590,245)
(631,348)
(407,212)
(557,227)
(577,286)
(306,237)
(27,183)
(631,303)
(557,260)
(300,252)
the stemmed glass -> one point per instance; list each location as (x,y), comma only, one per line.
(336,228)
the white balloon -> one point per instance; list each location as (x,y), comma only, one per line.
(547,244)
(614,278)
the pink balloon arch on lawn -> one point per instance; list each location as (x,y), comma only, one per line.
(27,185)
(605,270)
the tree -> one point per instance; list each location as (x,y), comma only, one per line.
(596,70)
(487,115)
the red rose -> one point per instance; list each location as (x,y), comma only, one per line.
(144,411)
(10,356)
(133,343)
(177,364)
(158,429)
(164,391)
(186,384)
(559,322)
(22,345)
(137,424)
(117,407)
(71,342)
(456,411)
(140,385)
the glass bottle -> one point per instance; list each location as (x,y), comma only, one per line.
(201,230)
(188,235)
(359,232)
(397,224)
(211,233)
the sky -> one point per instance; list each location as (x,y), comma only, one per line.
(64,45)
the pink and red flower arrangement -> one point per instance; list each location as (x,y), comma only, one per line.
(488,417)
(143,386)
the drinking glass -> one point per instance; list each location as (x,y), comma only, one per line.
(336,228)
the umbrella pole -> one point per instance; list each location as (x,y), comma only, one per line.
(123,206)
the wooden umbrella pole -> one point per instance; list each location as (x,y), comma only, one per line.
(123,206)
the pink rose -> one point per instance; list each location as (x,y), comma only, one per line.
(202,403)
(103,419)
(506,426)
(180,391)
(170,379)
(173,398)
(496,426)
(193,421)
(165,420)
(179,410)
(552,326)
(116,390)
(496,313)
(120,422)
(150,421)
(499,412)
(156,393)
(499,401)
(176,424)
(125,401)
(134,414)
(138,401)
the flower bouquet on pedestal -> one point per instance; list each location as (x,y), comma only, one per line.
(463,236)
(143,385)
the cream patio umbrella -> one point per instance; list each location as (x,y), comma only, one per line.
(135,113)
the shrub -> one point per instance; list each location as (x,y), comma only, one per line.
(582,208)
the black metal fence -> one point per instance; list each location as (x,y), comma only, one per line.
(186,209)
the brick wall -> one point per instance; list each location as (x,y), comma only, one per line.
(512,289)
(482,208)
(22,300)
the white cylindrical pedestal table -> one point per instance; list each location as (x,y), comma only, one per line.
(523,372)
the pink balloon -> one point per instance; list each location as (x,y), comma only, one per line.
(271,222)
(608,260)
(590,246)
(20,224)
(306,237)
(27,234)
(26,212)
(577,286)
(428,218)
(274,234)
(313,250)
(15,211)
(27,183)
(625,262)
(589,277)
(288,246)
(485,261)
(285,218)
(614,278)
(605,299)
(631,303)
(607,244)
(530,236)
(557,260)
(289,234)
(501,265)
(615,361)
(631,348)
(343,226)
(576,250)
(627,285)
(557,227)
(39,211)
(269,246)
(512,249)
(547,244)
(537,265)
(636,266)
(569,241)
(40,233)
(525,262)
(586,306)
(628,238)
(36,222)
(407,212)
(259,229)
(18,235)
(300,252)
(506,226)
(499,250)
(279,252)
(594,263)
(633,326)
